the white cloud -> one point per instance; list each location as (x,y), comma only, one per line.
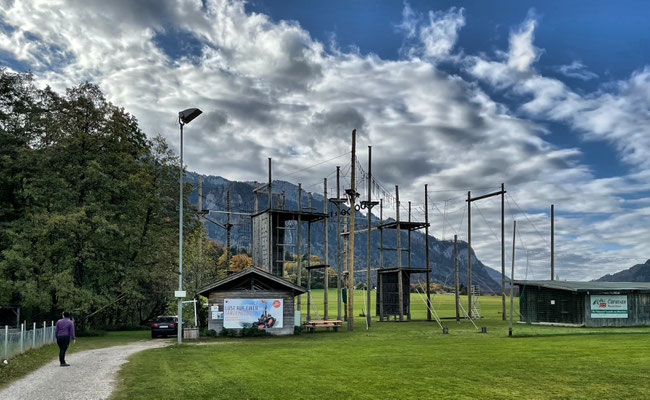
(522,54)
(268,89)
(433,39)
(577,70)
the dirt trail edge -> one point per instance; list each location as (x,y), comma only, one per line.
(90,376)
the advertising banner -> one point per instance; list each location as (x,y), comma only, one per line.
(245,313)
(608,306)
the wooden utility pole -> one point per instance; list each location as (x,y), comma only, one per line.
(325,251)
(408,236)
(512,274)
(426,252)
(255,197)
(352,195)
(503,256)
(369,204)
(400,289)
(456,288)
(298,243)
(380,286)
(469,254)
(552,242)
(270,191)
(338,242)
(228,226)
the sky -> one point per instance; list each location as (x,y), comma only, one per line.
(550,98)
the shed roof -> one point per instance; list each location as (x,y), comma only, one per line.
(259,274)
(292,215)
(579,286)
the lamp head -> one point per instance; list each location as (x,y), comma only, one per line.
(186,116)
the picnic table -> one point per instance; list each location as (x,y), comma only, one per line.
(323,323)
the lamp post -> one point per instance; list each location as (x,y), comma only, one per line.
(184,117)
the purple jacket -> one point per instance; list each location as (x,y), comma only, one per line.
(65,327)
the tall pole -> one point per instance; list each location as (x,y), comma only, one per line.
(351,232)
(338,242)
(199,272)
(369,209)
(179,333)
(270,190)
(228,226)
(469,255)
(456,294)
(512,275)
(552,241)
(325,255)
(380,287)
(298,243)
(426,252)
(503,256)
(400,289)
(255,197)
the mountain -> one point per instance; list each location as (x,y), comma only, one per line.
(637,273)
(242,201)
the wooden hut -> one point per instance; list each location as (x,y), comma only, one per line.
(591,304)
(252,297)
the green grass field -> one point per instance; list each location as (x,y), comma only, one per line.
(402,360)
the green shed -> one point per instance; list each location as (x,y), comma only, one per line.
(591,304)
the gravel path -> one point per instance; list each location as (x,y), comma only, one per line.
(90,376)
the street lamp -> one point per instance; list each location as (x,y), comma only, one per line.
(184,117)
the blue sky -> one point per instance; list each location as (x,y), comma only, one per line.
(551,98)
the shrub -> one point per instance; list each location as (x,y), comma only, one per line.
(208,332)
(89,332)
(227,332)
(298,330)
(253,331)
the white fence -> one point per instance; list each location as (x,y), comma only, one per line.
(18,341)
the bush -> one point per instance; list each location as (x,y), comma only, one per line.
(253,331)
(205,332)
(298,330)
(125,327)
(88,332)
(227,332)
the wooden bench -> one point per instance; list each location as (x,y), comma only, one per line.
(325,323)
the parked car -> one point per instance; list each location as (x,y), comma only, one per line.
(164,325)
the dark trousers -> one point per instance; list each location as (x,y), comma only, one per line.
(63,342)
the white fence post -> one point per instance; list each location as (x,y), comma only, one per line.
(44,336)
(52,333)
(22,338)
(34,336)
(6,342)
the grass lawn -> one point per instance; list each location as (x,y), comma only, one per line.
(402,360)
(23,364)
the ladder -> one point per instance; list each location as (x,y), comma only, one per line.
(476,301)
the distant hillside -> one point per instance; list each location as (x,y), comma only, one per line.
(241,201)
(637,273)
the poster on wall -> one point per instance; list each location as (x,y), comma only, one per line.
(245,313)
(608,306)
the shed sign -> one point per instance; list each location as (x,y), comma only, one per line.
(245,313)
(608,306)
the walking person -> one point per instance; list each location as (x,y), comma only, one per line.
(64,333)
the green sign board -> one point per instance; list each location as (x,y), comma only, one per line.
(608,306)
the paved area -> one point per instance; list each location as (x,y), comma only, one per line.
(90,376)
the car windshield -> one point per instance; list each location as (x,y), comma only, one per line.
(165,319)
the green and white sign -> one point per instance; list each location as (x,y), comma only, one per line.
(608,306)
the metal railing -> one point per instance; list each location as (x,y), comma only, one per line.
(17,341)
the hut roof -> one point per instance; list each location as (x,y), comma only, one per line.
(578,286)
(255,278)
